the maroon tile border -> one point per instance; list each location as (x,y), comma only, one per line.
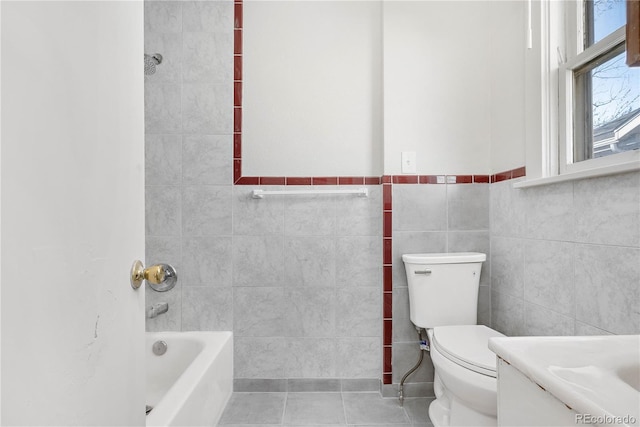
(387,277)
(292,180)
(510,174)
(325,180)
(272,180)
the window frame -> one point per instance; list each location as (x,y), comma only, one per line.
(577,58)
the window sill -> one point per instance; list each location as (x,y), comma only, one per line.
(574,176)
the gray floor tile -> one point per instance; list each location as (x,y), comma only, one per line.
(371,408)
(418,409)
(253,425)
(314,408)
(381,425)
(254,408)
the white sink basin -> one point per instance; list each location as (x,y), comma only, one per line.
(597,375)
(630,374)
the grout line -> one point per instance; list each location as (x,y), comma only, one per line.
(344,408)
(284,408)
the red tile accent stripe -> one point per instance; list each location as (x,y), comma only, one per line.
(306,180)
(237,119)
(502,176)
(372,180)
(386,197)
(388,305)
(454,179)
(272,180)
(387,278)
(387,360)
(387,378)
(387,225)
(237,68)
(248,180)
(387,331)
(237,94)
(405,179)
(237,146)
(237,39)
(237,12)
(510,174)
(298,181)
(237,168)
(461,179)
(386,251)
(431,179)
(324,180)
(519,172)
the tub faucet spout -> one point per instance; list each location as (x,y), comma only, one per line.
(157,309)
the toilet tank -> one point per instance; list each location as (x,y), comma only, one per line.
(443,288)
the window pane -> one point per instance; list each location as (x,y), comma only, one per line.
(608,103)
(602,17)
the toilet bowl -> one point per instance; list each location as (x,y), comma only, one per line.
(465,376)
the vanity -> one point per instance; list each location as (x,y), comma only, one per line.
(568,381)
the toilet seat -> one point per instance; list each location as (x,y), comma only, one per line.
(466,345)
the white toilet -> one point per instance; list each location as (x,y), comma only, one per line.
(443,299)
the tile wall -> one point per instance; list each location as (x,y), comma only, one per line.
(296,279)
(433,218)
(565,258)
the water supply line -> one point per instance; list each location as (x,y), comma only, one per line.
(424,346)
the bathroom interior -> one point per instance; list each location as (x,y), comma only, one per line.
(374,129)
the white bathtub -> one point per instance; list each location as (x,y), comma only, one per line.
(192,382)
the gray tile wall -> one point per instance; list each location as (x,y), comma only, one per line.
(434,218)
(298,280)
(565,258)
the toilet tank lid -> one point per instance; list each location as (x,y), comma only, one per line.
(444,258)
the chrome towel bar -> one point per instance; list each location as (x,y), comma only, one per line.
(259,194)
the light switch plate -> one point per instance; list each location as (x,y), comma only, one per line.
(408,159)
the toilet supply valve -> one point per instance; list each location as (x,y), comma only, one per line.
(424,345)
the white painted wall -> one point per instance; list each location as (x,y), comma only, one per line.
(312,88)
(508,77)
(72,200)
(453,82)
(437,86)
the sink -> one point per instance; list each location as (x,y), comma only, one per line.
(630,375)
(590,375)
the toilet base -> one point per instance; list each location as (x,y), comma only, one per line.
(442,409)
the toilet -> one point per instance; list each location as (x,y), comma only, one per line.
(443,299)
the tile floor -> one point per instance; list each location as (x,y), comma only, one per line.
(326,409)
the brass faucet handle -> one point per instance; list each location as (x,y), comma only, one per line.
(154,274)
(161,277)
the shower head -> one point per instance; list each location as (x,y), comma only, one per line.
(150,62)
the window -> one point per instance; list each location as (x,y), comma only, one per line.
(599,93)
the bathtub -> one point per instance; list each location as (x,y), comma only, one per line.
(192,382)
